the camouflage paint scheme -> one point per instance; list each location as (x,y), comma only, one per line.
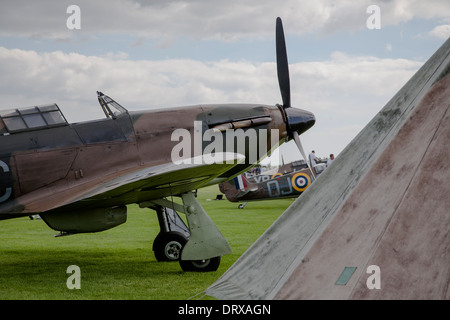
(80,177)
(264,187)
(113,162)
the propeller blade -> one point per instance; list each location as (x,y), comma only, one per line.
(302,151)
(282,65)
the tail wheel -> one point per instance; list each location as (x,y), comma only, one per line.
(168,246)
(206,265)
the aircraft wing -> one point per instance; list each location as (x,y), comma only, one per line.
(153,182)
(243,193)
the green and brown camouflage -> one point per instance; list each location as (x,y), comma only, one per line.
(80,177)
(266,187)
(65,166)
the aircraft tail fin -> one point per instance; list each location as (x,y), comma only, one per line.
(240,182)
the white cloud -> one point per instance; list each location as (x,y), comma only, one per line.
(441,32)
(217,19)
(344,91)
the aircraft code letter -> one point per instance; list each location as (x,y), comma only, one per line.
(8,190)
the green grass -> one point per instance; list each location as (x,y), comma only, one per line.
(119,263)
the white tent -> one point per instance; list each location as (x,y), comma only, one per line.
(379,215)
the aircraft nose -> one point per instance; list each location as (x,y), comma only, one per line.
(299,120)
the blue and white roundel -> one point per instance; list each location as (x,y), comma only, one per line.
(301,181)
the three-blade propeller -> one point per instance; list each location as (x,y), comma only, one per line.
(285,86)
(282,65)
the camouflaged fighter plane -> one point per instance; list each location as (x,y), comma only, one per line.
(290,181)
(79,177)
(266,187)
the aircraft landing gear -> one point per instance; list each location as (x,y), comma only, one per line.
(197,247)
(205,265)
(168,246)
(172,236)
(242,205)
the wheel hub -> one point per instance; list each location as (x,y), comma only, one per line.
(173,250)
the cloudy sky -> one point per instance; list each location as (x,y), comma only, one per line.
(164,53)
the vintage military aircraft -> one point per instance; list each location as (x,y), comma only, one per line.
(79,177)
(266,187)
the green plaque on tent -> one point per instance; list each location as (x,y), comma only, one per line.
(345,276)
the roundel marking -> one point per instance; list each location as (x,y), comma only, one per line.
(276,175)
(300,181)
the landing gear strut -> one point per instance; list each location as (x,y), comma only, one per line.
(172,236)
(242,205)
(197,247)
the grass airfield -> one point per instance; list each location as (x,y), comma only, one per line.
(119,263)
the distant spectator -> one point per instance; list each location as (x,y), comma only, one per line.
(330,160)
(312,160)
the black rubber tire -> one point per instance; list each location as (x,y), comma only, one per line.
(206,265)
(168,246)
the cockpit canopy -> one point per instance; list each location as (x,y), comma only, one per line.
(31,118)
(49,116)
(110,107)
